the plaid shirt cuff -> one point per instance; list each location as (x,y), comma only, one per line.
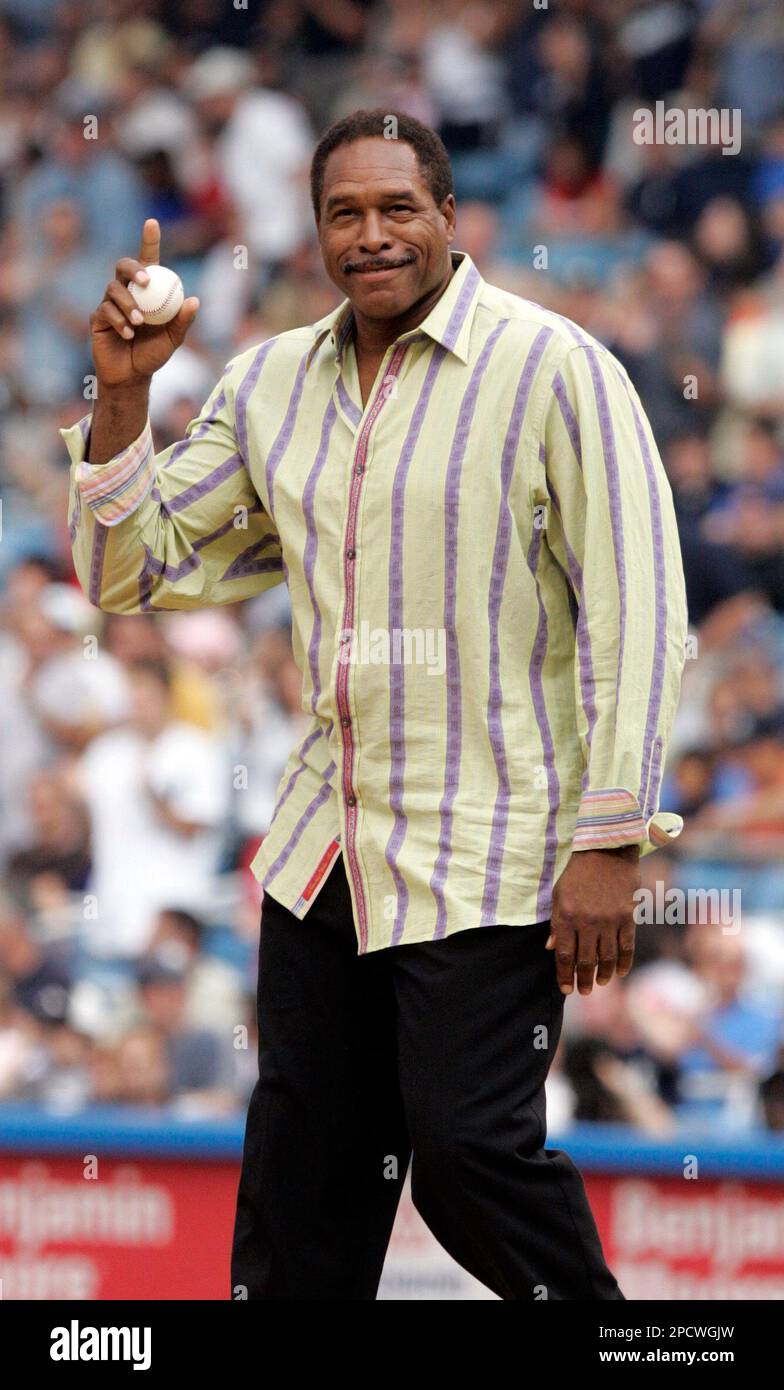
(610,819)
(115,489)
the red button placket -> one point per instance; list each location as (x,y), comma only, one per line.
(347,626)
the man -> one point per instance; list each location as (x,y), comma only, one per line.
(157,791)
(437,467)
(260,129)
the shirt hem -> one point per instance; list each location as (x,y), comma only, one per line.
(430,939)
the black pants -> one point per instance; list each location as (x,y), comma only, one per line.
(441,1048)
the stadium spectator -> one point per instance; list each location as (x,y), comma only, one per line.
(213,988)
(57,850)
(256,128)
(198,1060)
(78,690)
(39,978)
(157,795)
(139,1073)
(734,1040)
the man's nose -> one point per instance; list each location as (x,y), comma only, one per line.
(373,234)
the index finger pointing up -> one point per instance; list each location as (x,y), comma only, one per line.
(150,251)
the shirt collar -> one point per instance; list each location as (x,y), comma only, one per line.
(448,323)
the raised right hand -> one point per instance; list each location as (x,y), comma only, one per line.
(126,351)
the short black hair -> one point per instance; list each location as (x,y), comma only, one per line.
(430,150)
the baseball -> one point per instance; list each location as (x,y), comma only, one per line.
(161,298)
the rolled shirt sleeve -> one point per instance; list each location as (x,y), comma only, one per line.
(175,530)
(115,489)
(612,528)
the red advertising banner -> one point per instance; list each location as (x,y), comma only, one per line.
(161,1229)
(675,1239)
(141,1228)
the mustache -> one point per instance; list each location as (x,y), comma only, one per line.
(377,264)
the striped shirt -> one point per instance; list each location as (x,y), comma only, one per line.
(487,598)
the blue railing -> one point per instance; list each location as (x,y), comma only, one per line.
(118,1131)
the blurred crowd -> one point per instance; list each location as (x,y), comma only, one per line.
(139,756)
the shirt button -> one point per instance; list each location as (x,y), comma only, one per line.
(345,721)
(350,554)
(359,470)
(351,800)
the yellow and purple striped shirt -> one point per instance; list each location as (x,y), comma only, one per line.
(487,598)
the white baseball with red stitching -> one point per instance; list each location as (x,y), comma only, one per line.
(161,298)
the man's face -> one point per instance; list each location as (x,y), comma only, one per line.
(384,241)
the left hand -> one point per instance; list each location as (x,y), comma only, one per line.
(592,921)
